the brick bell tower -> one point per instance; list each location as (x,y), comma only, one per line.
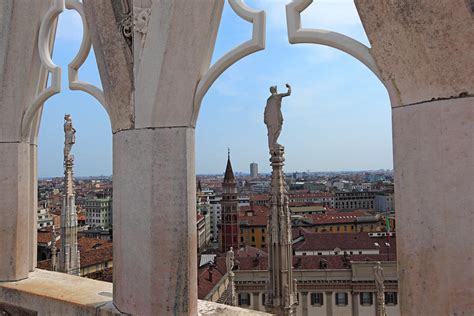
(229,227)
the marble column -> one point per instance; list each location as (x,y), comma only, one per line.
(149,85)
(431,71)
(14,209)
(20,78)
(155,222)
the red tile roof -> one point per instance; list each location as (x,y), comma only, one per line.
(205,285)
(345,241)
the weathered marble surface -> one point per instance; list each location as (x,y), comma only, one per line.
(114,59)
(424,47)
(434,164)
(155,221)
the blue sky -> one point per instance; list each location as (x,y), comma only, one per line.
(337,118)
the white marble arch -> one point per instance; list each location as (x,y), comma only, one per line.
(296,35)
(255,44)
(46,38)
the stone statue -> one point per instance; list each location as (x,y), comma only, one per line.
(229,260)
(379,278)
(69,136)
(273,117)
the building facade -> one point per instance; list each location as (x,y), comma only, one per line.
(354,200)
(384,202)
(344,292)
(253,170)
(99,212)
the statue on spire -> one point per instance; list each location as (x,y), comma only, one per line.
(273,117)
(69,136)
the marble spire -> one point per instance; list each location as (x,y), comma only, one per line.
(69,260)
(281,298)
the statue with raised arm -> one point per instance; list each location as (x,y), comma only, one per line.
(69,136)
(273,117)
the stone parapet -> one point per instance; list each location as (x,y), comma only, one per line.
(53,293)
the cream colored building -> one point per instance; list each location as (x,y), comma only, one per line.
(336,292)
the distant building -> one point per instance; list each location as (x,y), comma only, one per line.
(99,212)
(45,218)
(354,200)
(384,202)
(254,170)
(342,283)
(203,231)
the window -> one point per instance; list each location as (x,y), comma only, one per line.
(341,298)
(244,299)
(317,299)
(263,299)
(253,238)
(263,238)
(366,298)
(391,298)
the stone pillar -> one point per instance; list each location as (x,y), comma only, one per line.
(355,303)
(304,303)
(20,78)
(255,300)
(431,70)
(14,208)
(329,303)
(155,222)
(33,212)
(149,89)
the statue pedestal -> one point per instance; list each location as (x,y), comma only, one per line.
(281,290)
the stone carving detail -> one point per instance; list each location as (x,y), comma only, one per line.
(141,18)
(281,291)
(229,261)
(255,44)
(69,257)
(298,34)
(80,58)
(70,136)
(125,25)
(273,117)
(45,44)
(379,284)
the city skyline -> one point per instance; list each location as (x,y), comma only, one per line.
(337,119)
